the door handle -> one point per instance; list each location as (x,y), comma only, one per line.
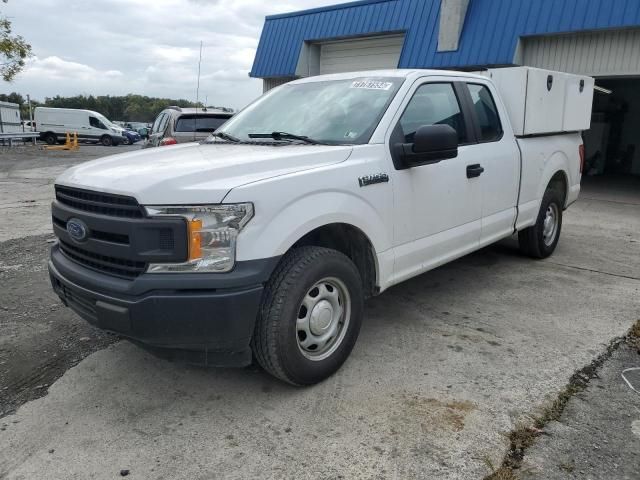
(474,171)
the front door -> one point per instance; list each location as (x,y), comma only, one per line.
(438,207)
(96,129)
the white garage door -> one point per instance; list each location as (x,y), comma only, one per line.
(599,54)
(361,54)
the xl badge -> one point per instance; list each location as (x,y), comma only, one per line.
(77,229)
(373,179)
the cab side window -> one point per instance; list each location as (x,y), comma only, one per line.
(433,104)
(95,123)
(486,113)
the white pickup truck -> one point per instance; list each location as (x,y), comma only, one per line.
(266,238)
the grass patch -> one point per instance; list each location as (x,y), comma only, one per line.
(503,473)
(635,330)
(634,336)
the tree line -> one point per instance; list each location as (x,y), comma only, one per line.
(127,108)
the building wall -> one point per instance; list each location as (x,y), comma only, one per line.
(269,83)
(490,35)
(608,53)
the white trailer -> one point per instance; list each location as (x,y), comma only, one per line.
(10,121)
(11,127)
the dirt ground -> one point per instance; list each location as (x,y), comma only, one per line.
(39,340)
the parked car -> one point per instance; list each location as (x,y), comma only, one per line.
(130,137)
(54,124)
(143,129)
(266,239)
(179,125)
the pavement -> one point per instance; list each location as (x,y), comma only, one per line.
(447,364)
(598,434)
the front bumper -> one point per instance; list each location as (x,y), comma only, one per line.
(201,318)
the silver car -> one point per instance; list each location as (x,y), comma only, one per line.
(180,125)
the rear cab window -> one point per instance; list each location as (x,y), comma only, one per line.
(488,119)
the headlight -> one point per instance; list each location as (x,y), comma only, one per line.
(212,231)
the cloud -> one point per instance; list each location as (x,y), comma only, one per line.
(56,69)
(146,47)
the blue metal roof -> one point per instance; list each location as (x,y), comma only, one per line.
(489,37)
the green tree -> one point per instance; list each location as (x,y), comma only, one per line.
(128,108)
(14,50)
(13,97)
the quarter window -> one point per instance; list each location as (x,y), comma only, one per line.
(433,104)
(161,123)
(486,113)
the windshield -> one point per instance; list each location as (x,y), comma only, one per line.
(336,112)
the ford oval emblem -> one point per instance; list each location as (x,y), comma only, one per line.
(77,229)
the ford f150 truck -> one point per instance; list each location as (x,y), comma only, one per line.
(265,239)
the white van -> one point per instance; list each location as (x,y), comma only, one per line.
(54,124)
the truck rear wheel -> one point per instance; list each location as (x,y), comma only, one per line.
(540,240)
(310,316)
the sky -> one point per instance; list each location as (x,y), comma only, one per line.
(147,47)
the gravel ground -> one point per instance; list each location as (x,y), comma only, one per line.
(26,184)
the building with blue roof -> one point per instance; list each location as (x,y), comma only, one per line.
(600,38)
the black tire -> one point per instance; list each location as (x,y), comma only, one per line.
(106,140)
(533,241)
(126,141)
(50,138)
(276,340)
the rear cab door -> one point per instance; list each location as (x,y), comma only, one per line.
(498,155)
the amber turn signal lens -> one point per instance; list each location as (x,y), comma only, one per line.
(195,241)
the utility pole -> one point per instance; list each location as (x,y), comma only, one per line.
(30,114)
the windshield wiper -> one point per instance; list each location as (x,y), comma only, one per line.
(286,136)
(226,136)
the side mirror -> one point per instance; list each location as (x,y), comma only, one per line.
(431,144)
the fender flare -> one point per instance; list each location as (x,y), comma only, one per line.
(557,163)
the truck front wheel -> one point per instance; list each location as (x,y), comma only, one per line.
(50,138)
(310,316)
(106,140)
(540,240)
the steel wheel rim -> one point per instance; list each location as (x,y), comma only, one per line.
(323,318)
(550,225)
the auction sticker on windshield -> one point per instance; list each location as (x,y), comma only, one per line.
(371,85)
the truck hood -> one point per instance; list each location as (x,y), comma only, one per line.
(196,173)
